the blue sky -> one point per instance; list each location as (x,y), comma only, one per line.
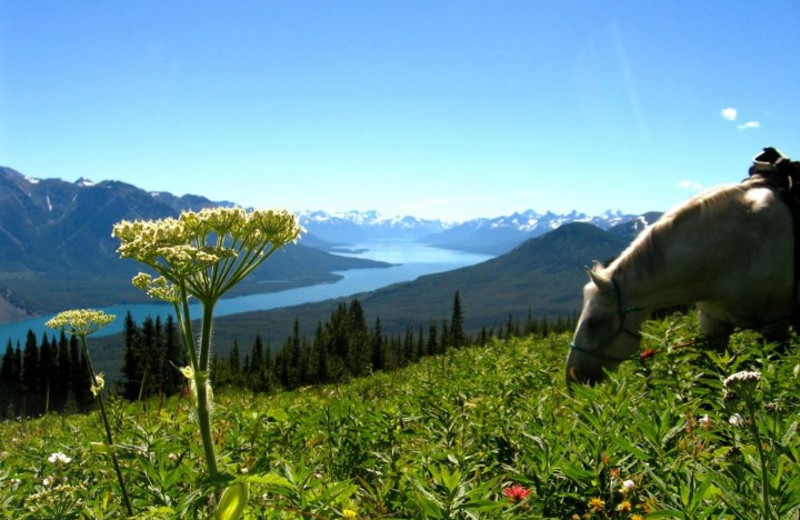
(442,109)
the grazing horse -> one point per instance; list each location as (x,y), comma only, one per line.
(730,251)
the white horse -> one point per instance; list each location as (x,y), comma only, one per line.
(729,250)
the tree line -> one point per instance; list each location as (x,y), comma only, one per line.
(44,376)
(53,376)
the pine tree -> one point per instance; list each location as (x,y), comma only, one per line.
(433,344)
(61,387)
(34,405)
(6,378)
(457,336)
(48,368)
(235,365)
(132,369)
(17,393)
(378,347)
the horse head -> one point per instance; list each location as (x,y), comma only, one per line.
(607,331)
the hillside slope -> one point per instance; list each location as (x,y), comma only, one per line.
(543,275)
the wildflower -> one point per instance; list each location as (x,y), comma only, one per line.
(516,493)
(627,486)
(705,422)
(597,504)
(744,380)
(772,407)
(349,513)
(100,383)
(173,457)
(736,420)
(624,506)
(49,481)
(637,516)
(59,458)
(647,354)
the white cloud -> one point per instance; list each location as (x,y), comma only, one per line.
(748,125)
(729,113)
(689,185)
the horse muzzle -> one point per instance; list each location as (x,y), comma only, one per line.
(582,370)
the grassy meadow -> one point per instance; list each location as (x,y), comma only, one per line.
(481,432)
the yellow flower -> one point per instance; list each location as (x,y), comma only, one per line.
(597,504)
(349,513)
(636,516)
(624,506)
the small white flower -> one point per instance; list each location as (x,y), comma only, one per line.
(173,457)
(627,486)
(59,458)
(705,421)
(48,481)
(736,420)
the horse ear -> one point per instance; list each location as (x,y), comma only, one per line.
(599,280)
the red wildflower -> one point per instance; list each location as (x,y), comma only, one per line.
(516,493)
(647,354)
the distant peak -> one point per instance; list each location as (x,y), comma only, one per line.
(83,182)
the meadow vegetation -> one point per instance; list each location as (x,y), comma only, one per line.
(477,432)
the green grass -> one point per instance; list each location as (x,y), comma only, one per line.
(444,439)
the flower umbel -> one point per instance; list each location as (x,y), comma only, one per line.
(742,381)
(80,322)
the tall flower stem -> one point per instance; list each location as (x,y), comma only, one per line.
(753,426)
(201,380)
(109,437)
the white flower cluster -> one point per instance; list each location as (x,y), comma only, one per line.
(741,379)
(80,322)
(179,249)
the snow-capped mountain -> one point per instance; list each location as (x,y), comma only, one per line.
(358,226)
(486,235)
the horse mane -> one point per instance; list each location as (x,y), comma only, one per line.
(645,253)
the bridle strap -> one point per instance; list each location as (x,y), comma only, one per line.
(621,329)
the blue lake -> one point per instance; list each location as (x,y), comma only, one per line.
(411,260)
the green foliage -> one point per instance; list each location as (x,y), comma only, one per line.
(477,432)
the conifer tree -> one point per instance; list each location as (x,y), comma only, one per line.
(47,372)
(33,403)
(61,387)
(457,336)
(433,344)
(132,369)
(18,398)
(378,348)
(6,378)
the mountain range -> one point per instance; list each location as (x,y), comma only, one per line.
(56,249)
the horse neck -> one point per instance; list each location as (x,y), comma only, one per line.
(673,282)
